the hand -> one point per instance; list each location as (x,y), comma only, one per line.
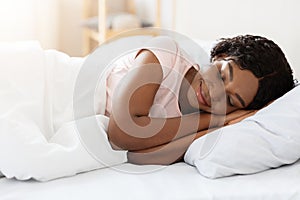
(238,116)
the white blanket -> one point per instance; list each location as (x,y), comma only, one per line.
(38,135)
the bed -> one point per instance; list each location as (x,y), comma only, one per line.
(178,181)
(128,181)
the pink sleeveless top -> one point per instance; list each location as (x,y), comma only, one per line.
(175,64)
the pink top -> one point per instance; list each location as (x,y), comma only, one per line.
(175,64)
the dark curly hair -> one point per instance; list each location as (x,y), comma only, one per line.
(264,59)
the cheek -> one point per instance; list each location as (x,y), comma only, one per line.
(250,94)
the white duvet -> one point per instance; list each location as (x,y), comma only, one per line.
(38,135)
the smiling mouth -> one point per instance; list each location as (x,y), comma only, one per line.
(200,95)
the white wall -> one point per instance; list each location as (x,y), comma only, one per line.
(146,11)
(30,20)
(70,30)
(56,23)
(278,20)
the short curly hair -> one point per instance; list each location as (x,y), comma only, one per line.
(264,59)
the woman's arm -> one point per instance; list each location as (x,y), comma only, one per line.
(164,154)
(174,151)
(130,128)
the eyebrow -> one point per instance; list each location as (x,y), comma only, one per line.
(240,100)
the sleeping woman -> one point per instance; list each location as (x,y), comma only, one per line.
(159,99)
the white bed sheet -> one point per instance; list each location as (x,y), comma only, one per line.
(178,181)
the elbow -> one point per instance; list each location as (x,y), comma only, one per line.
(115,138)
(119,139)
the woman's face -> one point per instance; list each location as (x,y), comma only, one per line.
(223,88)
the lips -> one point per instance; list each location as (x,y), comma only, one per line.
(200,95)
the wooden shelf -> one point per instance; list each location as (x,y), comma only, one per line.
(93,38)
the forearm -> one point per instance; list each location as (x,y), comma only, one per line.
(165,154)
(145,132)
(175,150)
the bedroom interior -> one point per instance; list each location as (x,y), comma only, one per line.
(60,26)
(58,34)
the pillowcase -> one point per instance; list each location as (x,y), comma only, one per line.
(266,140)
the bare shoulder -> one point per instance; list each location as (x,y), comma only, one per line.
(139,86)
(134,97)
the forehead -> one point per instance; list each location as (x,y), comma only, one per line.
(220,57)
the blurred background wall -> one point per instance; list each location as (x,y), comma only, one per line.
(56,23)
(30,19)
(278,20)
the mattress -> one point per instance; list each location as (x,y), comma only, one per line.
(178,181)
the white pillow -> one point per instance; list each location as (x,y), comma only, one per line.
(268,139)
